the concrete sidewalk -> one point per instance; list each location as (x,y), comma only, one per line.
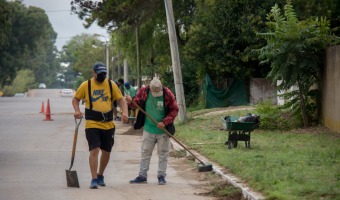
(35,153)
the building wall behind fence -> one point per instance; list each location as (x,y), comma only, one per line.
(262,90)
(330,108)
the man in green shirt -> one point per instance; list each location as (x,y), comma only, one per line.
(160,103)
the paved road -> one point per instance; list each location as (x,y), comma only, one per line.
(35,153)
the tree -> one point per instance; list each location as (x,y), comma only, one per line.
(222,36)
(24,81)
(80,53)
(8,53)
(214,36)
(105,13)
(294,51)
(116,14)
(154,46)
(22,49)
(5,21)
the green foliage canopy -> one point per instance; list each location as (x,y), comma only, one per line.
(81,52)
(24,81)
(214,36)
(114,13)
(23,49)
(294,51)
(222,36)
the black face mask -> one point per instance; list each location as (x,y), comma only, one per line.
(101,77)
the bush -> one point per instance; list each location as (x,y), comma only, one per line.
(24,81)
(276,118)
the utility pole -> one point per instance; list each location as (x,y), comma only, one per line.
(119,65)
(126,71)
(113,67)
(107,59)
(176,65)
(138,56)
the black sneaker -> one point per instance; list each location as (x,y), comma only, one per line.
(100,180)
(161,180)
(139,179)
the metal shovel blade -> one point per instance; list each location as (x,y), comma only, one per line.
(72,178)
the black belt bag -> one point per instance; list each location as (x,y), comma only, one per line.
(98,116)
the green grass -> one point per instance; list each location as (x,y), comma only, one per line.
(282,165)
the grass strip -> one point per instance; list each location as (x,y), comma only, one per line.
(294,164)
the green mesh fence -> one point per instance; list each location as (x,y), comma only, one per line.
(235,95)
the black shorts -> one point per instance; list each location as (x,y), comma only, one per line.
(100,138)
(115,104)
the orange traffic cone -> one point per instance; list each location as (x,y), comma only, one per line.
(42,107)
(48,112)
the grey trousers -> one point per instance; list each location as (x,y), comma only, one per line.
(149,141)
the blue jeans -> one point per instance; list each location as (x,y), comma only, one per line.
(149,141)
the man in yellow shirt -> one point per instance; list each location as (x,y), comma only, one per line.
(99,94)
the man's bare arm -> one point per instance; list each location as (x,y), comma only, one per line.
(77,112)
(123,105)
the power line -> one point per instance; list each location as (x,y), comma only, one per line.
(58,10)
(64,38)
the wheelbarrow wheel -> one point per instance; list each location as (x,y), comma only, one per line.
(235,144)
(229,145)
(232,144)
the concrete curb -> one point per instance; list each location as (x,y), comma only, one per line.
(247,192)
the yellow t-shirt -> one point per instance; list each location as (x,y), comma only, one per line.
(101,100)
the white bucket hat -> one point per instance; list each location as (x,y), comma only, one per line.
(156,87)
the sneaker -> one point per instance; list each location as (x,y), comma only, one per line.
(161,180)
(94,184)
(100,180)
(139,179)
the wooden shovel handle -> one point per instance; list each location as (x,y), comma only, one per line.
(75,137)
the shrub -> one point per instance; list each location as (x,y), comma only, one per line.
(275,118)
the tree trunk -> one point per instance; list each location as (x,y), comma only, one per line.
(302,100)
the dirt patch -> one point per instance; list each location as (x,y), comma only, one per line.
(222,190)
(315,130)
(209,183)
(132,131)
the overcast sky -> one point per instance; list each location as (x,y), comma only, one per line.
(64,23)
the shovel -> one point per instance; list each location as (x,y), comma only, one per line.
(71,176)
(202,167)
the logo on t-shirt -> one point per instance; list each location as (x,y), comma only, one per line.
(98,94)
(160,105)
